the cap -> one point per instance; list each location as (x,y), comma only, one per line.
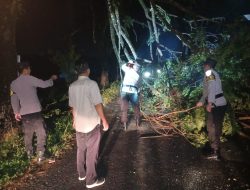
(210,62)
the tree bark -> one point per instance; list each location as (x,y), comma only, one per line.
(8,71)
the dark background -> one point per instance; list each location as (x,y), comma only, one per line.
(47,26)
(53,25)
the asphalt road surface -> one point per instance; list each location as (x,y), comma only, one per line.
(130,162)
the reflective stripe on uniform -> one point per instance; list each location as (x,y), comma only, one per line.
(11,92)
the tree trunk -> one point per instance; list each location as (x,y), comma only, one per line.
(8,16)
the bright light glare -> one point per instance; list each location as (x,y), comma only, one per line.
(147,74)
(208,73)
(158,71)
(247,16)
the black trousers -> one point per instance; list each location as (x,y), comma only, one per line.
(34,123)
(214,123)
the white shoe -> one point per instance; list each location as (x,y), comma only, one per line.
(97,183)
(81,178)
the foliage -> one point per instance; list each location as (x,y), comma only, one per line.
(178,81)
(230,125)
(153,93)
(178,87)
(13,161)
(68,63)
(12,152)
(175,88)
(195,127)
(193,124)
(234,58)
(61,134)
(110,93)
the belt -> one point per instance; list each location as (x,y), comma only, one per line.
(131,86)
(218,95)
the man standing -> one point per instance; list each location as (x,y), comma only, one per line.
(27,108)
(129,92)
(215,103)
(87,109)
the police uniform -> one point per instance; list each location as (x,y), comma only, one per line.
(212,93)
(24,101)
(129,93)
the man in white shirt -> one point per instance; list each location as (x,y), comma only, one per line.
(129,91)
(87,109)
(215,102)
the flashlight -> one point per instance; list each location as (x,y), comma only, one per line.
(247,16)
(147,74)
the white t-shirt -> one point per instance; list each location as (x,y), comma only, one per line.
(84,94)
(131,78)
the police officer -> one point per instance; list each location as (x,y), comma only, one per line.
(214,101)
(27,108)
(129,91)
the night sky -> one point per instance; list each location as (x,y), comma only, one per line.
(46,25)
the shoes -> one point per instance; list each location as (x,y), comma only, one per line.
(81,178)
(40,157)
(214,156)
(97,183)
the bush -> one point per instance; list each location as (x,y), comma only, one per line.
(179,87)
(61,134)
(110,93)
(13,160)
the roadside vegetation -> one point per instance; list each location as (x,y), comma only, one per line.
(168,97)
(170,93)
(60,134)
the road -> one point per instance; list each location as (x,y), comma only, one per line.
(130,162)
